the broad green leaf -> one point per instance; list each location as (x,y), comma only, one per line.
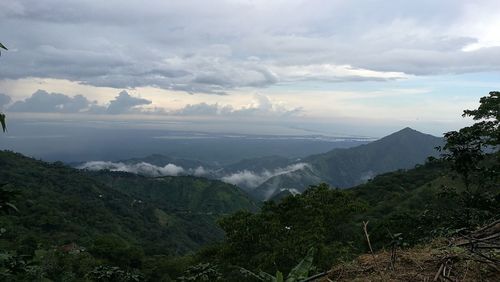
(3,46)
(302,269)
(266,277)
(12,206)
(279,276)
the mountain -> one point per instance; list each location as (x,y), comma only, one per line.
(59,205)
(293,182)
(345,168)
(258,164)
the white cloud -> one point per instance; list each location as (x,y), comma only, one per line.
(261,106)
(252,179)
(244,178)
(138,168)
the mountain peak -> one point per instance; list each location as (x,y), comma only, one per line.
(408,136)
(407,131)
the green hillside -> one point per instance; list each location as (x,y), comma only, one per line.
(133,216)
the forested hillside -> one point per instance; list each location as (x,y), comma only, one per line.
(115,217)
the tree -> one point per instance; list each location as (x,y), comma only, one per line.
(467,148)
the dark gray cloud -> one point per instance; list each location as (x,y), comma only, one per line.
(4,100)
(43,102)
(216,46)
(124,103)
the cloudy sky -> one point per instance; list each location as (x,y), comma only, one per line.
(378,65)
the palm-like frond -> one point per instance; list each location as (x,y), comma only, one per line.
(2,122)
(2,47)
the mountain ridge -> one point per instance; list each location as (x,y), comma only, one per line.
(344,168)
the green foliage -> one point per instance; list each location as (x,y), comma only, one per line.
(113,273)
(202,272)
(106,219)
(466,149)
(281,233)
(7,196)
(117,251)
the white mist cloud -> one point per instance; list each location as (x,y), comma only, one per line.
(245,178)
(142,168)
(252,179)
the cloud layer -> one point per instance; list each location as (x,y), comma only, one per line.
(217,46)
(142,168)
(43,102)
(245,178)
(252,179)
(4,100)
(262,106)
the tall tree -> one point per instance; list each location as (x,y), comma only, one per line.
(468,147)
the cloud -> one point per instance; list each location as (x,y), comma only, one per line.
(193,47)
(262,106)
(252,179)
(4,100)
(124,103)
(142,168)
(43,102)
(244,178)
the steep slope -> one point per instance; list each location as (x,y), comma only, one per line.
(258,164)
(189,194)
(345,168)
(401,150)
(58,205)
(287,182)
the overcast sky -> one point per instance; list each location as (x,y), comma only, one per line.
(388,64)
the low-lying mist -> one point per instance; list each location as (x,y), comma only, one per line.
(246,179)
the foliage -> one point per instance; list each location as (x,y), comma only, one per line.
(281,233)
(113,273)
(2,47)
(108,219)
(466,148)
(7,195)
(202,272)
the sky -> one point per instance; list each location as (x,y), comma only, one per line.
(329,67)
